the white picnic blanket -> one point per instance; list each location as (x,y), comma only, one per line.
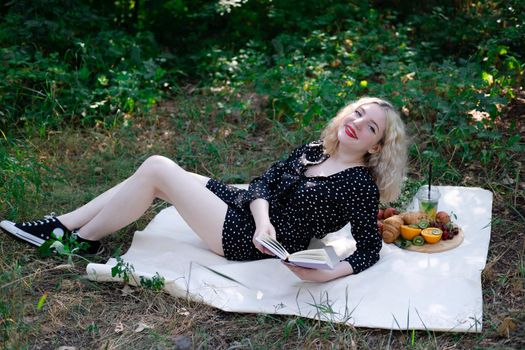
(404,290)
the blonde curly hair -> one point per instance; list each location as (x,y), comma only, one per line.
(388,167)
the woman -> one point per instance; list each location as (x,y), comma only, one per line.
(320,188)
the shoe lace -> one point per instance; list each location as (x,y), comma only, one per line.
(47,219)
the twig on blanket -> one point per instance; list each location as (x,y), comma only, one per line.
(223,275)
(465,333)
(278,307)
(476,323)
(493,220)
(458,324)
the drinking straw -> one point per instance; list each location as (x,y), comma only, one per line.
(429,179)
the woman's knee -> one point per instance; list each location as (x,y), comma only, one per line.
(157,165)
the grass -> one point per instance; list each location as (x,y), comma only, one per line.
(77,312)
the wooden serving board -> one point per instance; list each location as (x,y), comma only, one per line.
(440,246)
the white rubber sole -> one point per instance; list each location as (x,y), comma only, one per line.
(10,228)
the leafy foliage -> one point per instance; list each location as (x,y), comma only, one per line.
(452,67)
(85,72)
(454,104)
(154,283)
(67,245)
(125,270)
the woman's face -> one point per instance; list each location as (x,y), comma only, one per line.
(362,130)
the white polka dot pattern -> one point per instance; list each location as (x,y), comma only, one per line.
(302,207)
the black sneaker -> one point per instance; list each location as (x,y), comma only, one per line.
(39,232)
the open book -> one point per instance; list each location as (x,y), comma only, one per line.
(323,258)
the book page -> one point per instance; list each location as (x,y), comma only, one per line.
(322,258)
(273,245)
(314,254)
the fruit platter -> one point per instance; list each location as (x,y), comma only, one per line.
(416,231)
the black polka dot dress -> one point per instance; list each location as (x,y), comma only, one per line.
(303,207)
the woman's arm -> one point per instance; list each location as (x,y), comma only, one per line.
(363,221)
(316,275)
(260,209)
(260,212)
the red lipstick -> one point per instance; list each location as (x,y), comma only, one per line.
(350,132)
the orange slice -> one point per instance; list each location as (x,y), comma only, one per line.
(432,234)
(409,233)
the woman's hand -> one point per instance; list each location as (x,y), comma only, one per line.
(265,228)
(316,275)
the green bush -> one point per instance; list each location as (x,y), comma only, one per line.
(451,68)
(63,63)
(21,176)
(453,104)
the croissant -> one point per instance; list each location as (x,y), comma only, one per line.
(410,218)
(392,228)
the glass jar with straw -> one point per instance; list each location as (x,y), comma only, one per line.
(428,197)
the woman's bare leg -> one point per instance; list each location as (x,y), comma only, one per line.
(81,216)
(159,177)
